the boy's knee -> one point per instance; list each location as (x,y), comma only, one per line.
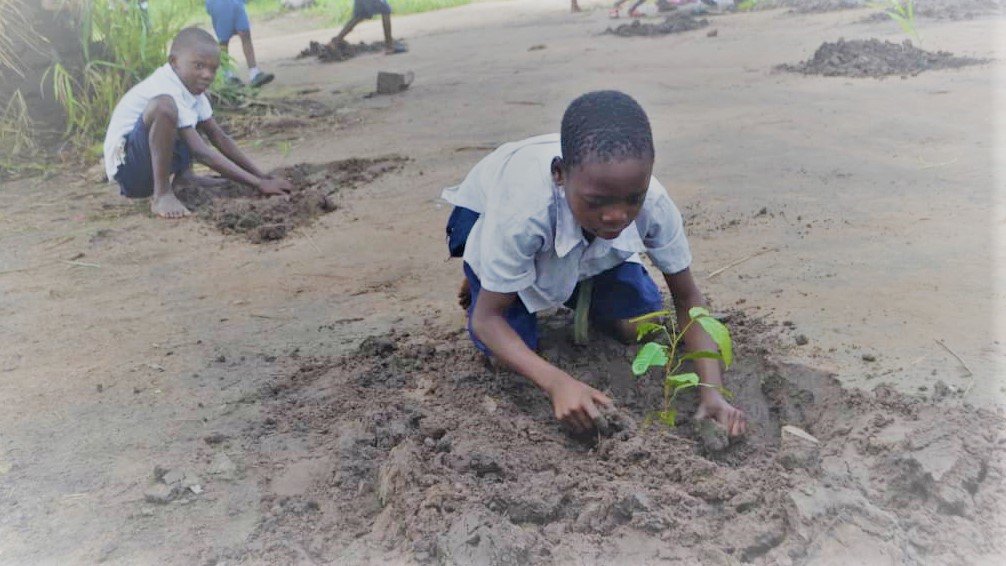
(245,35)
(162,107)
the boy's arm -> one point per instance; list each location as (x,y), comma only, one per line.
(220,140)
(574,402)
(686,294)
(213,159)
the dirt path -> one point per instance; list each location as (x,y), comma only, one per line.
(162,343)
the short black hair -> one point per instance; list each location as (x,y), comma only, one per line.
(190,37)
(603,126)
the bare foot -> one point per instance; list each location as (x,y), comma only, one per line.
(192,180)
(168,206)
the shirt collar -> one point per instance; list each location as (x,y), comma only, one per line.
(569,234)
(169,71)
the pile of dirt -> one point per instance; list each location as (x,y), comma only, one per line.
(239,209)
(875,58)
(673,24)
(420,452)
(275,117)
(328,53)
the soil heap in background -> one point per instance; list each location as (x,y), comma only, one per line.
(875,58)
(235,208)
(811,6)
(673,24)
(325,52)
(424,454)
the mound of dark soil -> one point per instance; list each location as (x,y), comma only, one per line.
(424,454)
(238,209)
(673,24)
(328,53)
(875,58)
(276,117)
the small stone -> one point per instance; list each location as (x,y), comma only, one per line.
(215,438)
(159,472)
(223,466)
(801,340)
(196,489)
(221,359)
(146,512)
(172,477)
(713,33)
(160,494)
(869,358)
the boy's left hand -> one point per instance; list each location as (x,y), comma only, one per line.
(271,186)
(713,406)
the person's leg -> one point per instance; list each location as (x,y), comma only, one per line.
(389,44)
(574,7)
(523,322)
(161,120)
(622,293)
(352,23)
(632,11)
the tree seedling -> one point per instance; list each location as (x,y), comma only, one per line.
(669,356)
(903,12)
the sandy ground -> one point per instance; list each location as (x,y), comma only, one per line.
(883,210)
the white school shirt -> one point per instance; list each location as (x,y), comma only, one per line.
(192,109)
(526,240)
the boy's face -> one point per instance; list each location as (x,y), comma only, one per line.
(196,66)
(606,197)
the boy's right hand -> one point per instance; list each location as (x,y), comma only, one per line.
(271,186)
(575,403)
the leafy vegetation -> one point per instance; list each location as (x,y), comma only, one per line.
(902,12)
(670,357)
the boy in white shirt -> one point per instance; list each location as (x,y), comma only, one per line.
(154,133)
(537,217)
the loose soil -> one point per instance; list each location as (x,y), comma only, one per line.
(275,117)
(239,209)
(673,24)
(950,9)
(341,52)
(875,58)
(421,452)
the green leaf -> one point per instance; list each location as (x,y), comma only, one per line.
(682,380)
(652,354)
(649,316)
(701,354)
(668,417)
(644,329)
(719,333)
(698,312)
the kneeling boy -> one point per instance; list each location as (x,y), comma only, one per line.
(154,133)
(537,217)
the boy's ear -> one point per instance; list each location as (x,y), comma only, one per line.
(558,171)
(172,59)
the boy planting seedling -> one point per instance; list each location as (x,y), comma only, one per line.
(561,219)
(154,133)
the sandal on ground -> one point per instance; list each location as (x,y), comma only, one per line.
(398,48)
(262,79)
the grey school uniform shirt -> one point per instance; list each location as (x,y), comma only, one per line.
(526,240)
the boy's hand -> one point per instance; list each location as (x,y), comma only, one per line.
(575,403)
(270,186)
(713,406)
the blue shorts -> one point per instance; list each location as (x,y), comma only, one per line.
(136,174)
(624,291)
(229,17)
(366,9)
